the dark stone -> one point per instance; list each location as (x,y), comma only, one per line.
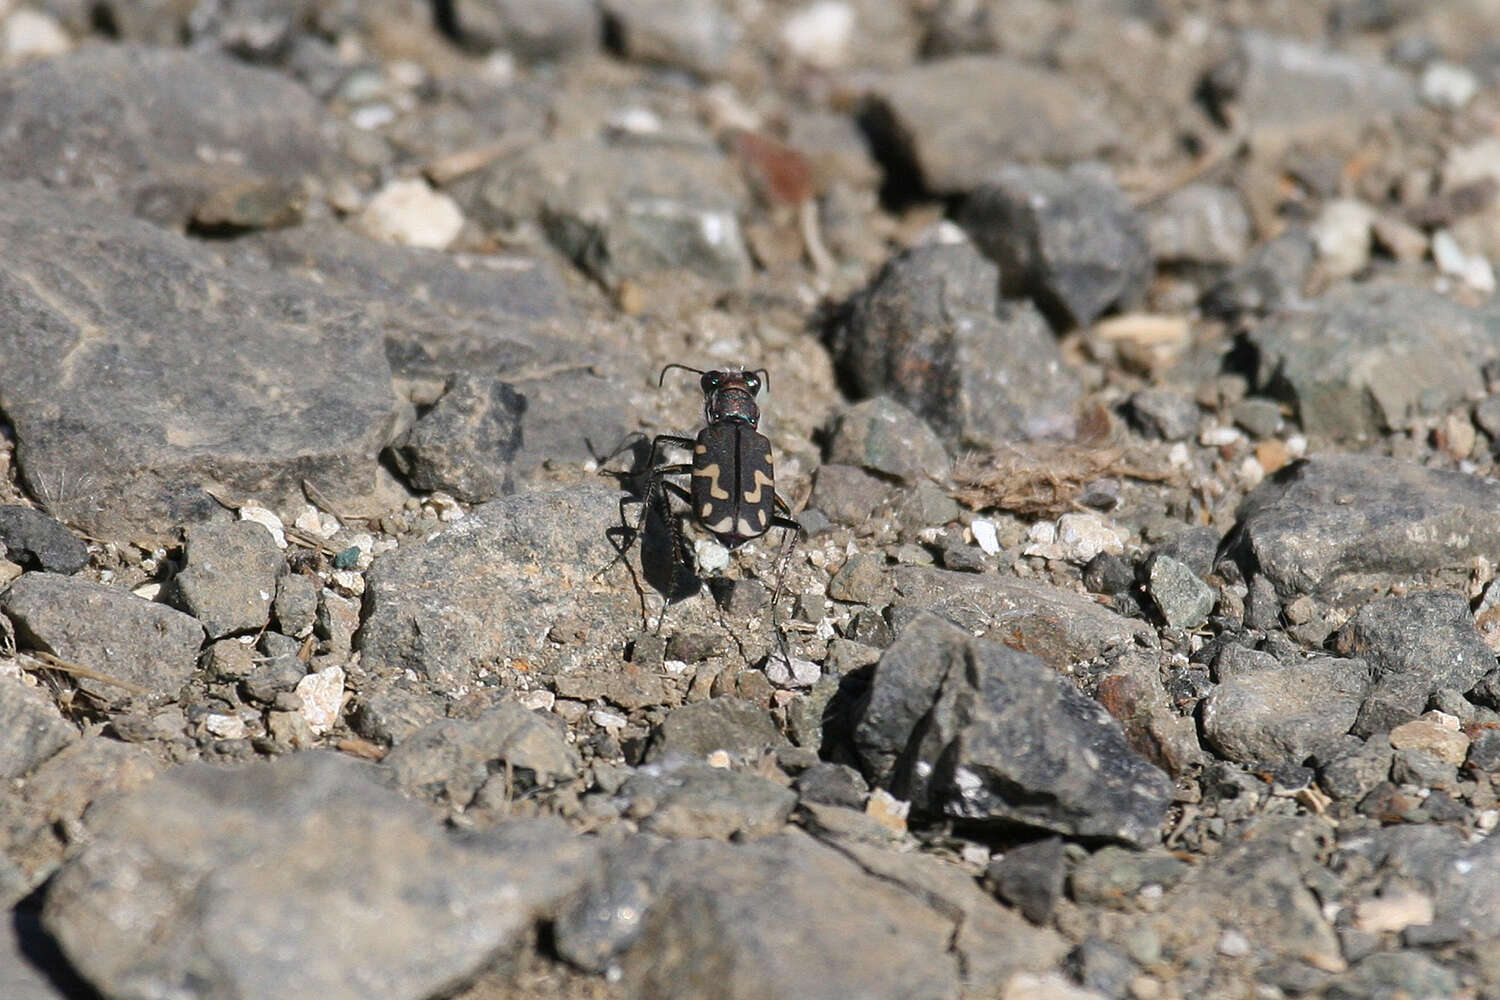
(1484,750)
(1259,417)
(228,577)
(273,676)
(1373,359)
(1350,776)
(190,877)
(390,713)
(832,784)
(34,540)
(683,34)
(743,730)
(971,729)
(97,438)
(1416,645)
(946,124)
(146,645)
(868,626)
(277,644)
(1112,875)
(1131,690)
(1108,573)
(932,333)
(885,437)
(1163,413)
(1030,877)
(1067,239)
(466,443)
(739,598)
(861,580)
(1286,713)
(1271,278)
(1342,522)
(1199,224)
(1423,769)
(1195,548)
(695,647)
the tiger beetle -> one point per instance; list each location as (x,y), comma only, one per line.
(733,484)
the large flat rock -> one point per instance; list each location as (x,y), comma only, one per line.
(140,375)
(300,879)
(485,592)
(1338,523)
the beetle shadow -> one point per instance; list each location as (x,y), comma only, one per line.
(667,565)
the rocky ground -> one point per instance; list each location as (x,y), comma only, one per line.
(1134,374)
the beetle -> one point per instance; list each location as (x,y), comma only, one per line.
(732,492)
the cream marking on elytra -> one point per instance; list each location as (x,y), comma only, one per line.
(711,473)
(761,481)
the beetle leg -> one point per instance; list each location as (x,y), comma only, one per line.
(790,530)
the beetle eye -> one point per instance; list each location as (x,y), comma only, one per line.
(710,381)
(752,382)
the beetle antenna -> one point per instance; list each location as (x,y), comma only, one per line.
(666,368)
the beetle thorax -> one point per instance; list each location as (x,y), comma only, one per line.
(731,404)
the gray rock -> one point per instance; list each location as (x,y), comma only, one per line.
(1350,776)
(1271,278)
(626,212)
(1283,715)
(390,713)
(885,437)
(684,34)
(441,312)
(1286,86)
(1068,239)
(861,580)
(1199,224)
(1342,522)
(1484,750)
(1102,967)
(1131,690)
(1416,644)
(466,442)
(1030,877)
(34,729)
(1182,599)
(61,124)
(453,758)
(743,730)
(975,730)
(703,918)
(833,784)
(847,494)
(303,877)
(1163,413)
(1256,888)
(689,798)
(1372,359)
(107,310)
(430,607)
(1259,417)
(1394,973)
(147,645)
(1059,626)
(532,29)
(296,604)
(1112,875)
(931,332)
(34,540)
(228,578)
(950,122)
(273,675)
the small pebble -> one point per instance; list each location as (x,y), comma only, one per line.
(985,536)
(1448,86)
(268,519)
(322,697)
(410,213)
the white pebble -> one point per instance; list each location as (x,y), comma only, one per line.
(1296,445)
(1042,533)
(1448,86)
(1251,472)
(1218,437)
(31,34)
(539,700)
(349,582)
(225,727)
(322,697)
(985,535)
(800,674)
(1342,235)
(719,759)
(268,520)
(1473,269)
(819,34)
(410,213)
(607,720)
(1233,944)
(1084,536)
(712,557)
